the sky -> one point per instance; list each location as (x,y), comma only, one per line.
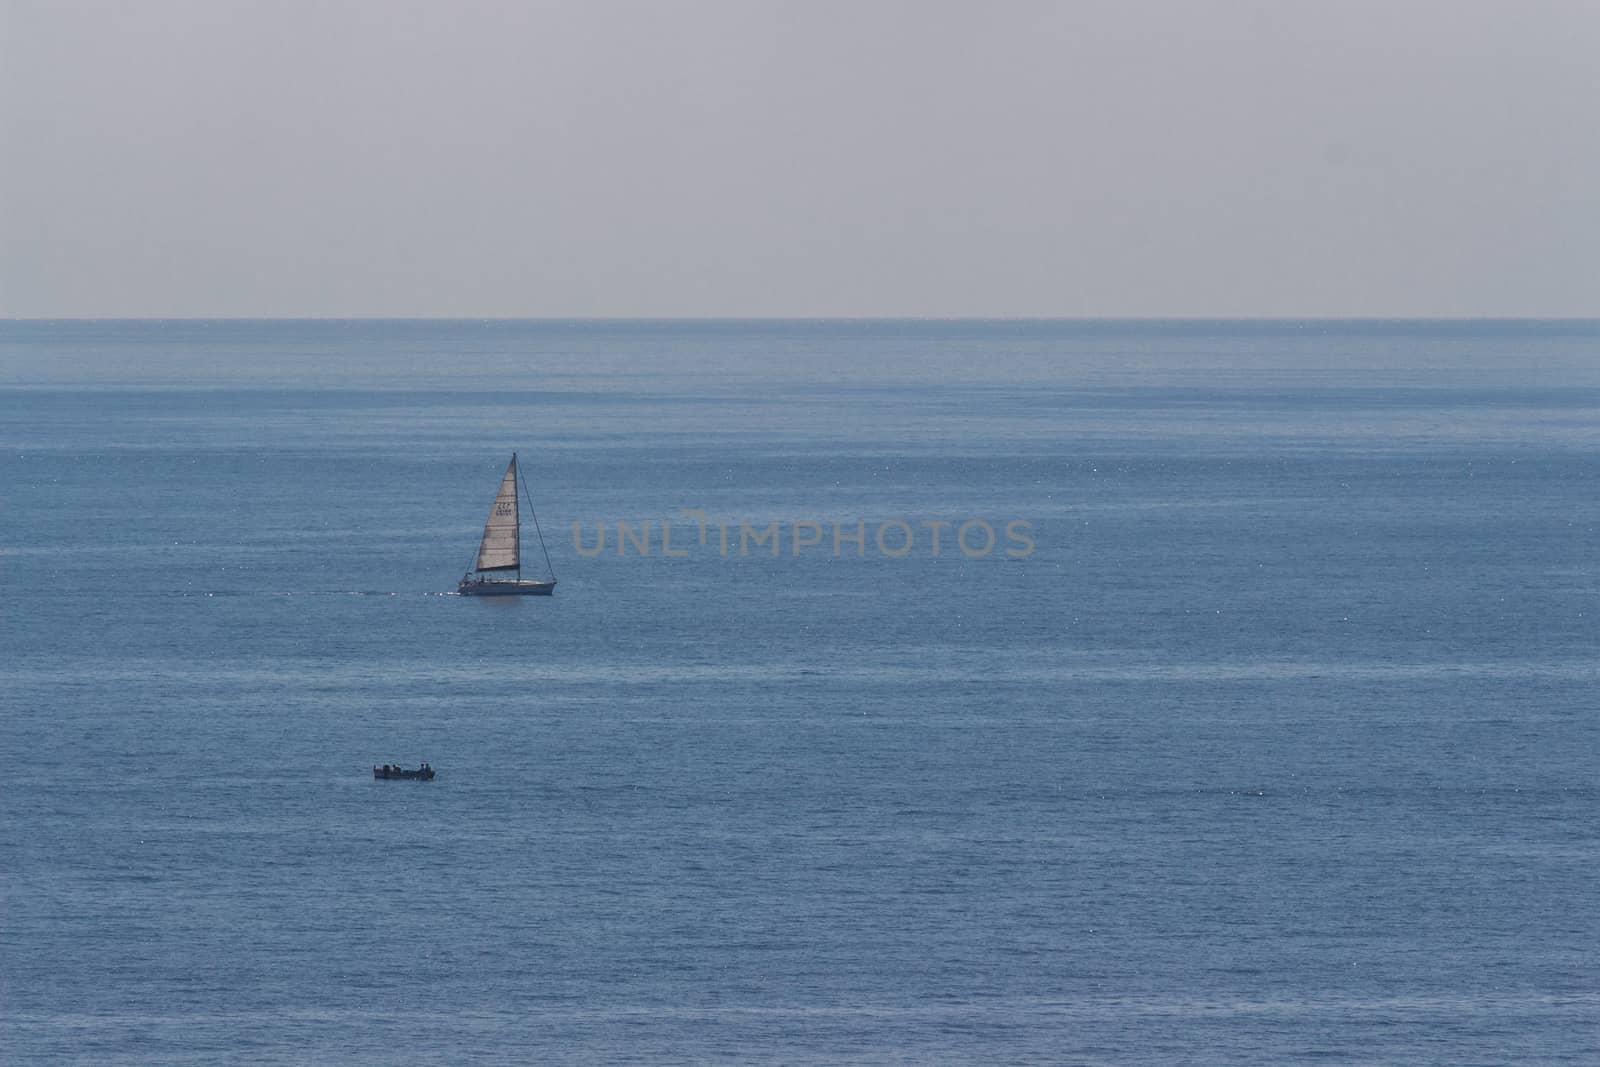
(689,158)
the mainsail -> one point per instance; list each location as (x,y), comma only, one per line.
(501,535)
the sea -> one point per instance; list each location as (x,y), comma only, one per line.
(915,692)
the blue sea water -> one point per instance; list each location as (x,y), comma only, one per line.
(1279,745)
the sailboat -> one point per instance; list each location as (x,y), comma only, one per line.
(497,571)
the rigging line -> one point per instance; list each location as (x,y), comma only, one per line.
(547,564)
(472,564)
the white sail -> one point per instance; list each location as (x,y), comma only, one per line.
(501,534)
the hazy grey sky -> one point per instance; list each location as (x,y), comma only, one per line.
(750,157)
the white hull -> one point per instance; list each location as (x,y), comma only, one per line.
(505,587)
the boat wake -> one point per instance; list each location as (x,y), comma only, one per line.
(302,593)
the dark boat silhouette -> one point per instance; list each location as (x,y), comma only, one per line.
(423,773)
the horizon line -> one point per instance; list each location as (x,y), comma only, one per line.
(1595,317)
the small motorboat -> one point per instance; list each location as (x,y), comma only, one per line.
(423,773)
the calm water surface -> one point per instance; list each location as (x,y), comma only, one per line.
(1281,744)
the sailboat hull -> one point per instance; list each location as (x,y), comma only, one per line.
(505,587)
